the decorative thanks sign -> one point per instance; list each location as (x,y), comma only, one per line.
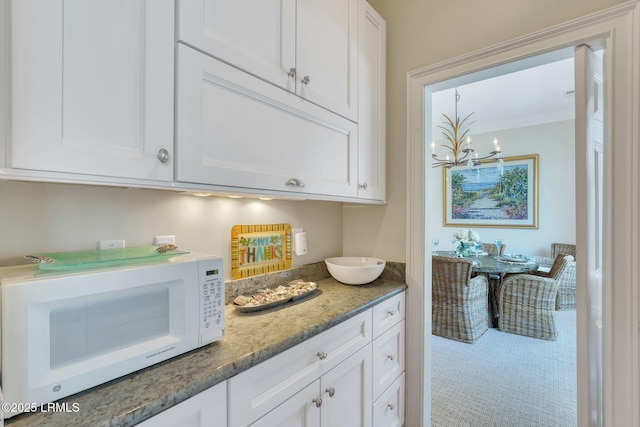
(259,249)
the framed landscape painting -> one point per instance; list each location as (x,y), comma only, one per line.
(482,196)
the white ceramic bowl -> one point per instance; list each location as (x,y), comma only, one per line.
(355,270)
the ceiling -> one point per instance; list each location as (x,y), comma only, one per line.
(541,94)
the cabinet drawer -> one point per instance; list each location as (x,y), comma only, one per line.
(388,313)
(258,390)
(206,408)
(388,410)
(388,358)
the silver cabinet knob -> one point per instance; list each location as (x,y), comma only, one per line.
(292,72)
(363,186)
(391,313)
(163,155)
(391,406)
(331,391)
(321,355)
(317,401)
(390,357)
(305,80)
(293,182)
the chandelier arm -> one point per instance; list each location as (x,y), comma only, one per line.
(492,156)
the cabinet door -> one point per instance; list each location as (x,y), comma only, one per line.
(346,392)
(236,130)
(371,104)
(257,36)
(207,408)
(327,54)
(92,87)
(300,410)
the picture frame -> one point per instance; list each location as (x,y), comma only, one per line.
(480,196)
(259,249)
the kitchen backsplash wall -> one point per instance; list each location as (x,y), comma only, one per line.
(41,217)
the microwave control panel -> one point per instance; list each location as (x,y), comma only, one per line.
(211,300)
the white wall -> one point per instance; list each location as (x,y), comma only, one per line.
(425,32)
(555,145)
(40,217)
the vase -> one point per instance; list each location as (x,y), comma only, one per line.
(463,250)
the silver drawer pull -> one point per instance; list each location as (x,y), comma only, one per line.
(363,186)
(292,72)
(390,357)
(321,355)
(318,401)
(295,182)
(331,391)
(305,80)
(391,312)
(391,406)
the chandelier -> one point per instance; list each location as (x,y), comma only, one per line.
(459,144)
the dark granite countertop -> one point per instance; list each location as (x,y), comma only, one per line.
(249,339)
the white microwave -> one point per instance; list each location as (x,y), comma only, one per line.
(66,331)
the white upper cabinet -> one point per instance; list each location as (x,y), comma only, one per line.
(92,87)
(308,47)
(327,54)
(237,131)
(371,104)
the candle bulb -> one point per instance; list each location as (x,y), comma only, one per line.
(495,141)
(468,143)
(433,147)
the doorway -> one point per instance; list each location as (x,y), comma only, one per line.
(529,112)
(620,267)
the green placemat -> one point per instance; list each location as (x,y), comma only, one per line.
(102,257)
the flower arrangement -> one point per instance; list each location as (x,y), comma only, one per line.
(467,239)
(466,235)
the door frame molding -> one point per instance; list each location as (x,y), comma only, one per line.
(619,26)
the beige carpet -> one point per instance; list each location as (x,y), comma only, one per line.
(506,380)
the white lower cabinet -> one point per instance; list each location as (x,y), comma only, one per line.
(205,409)
(264,387)
(389,362)
(341,397)
(346,392)
(350,375)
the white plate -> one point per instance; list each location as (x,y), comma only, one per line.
(514,258)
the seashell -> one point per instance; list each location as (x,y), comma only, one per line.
(166,248)
(39,259)
(242,300)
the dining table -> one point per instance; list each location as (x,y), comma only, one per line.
(495,267)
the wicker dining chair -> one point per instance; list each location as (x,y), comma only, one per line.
(459,302)
(526,302)
(492,249)
(567,295)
